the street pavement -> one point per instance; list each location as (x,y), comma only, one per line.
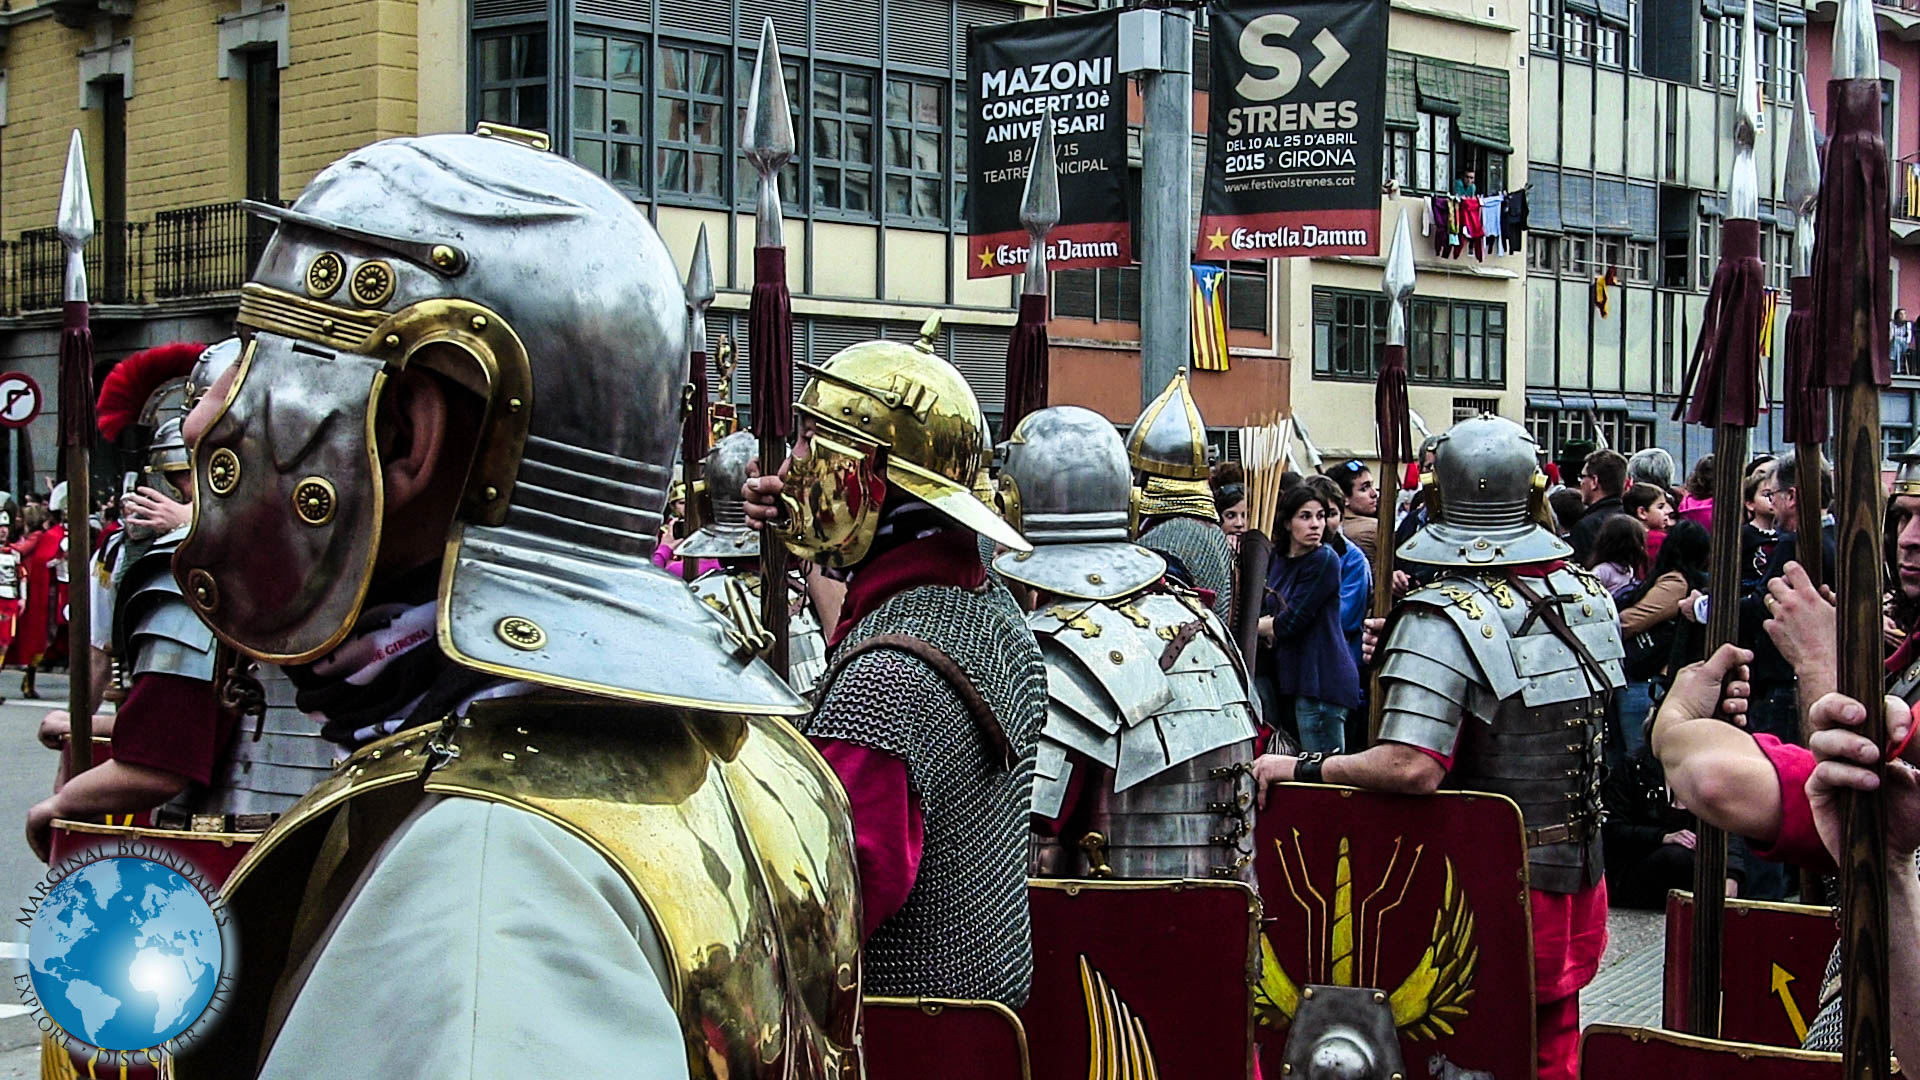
(1627,989)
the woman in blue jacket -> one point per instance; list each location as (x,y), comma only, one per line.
(1307,670)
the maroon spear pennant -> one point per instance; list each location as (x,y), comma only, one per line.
(770,312)
(1027,347)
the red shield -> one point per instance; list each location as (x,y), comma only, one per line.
(1423,898)
(1141,979)
(1772,961)
(1613,1052)
(937,1039)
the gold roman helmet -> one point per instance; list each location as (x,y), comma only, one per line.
(1168,451)
(885,412)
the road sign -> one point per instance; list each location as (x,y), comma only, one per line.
(19,400)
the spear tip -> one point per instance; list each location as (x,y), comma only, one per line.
(75,223)
(1040,202)
(700,291)
(1856,41)
(1397,281)
(769,117)
(1800,182)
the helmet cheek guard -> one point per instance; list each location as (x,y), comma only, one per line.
(832,500)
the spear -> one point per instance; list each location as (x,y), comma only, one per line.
(76,439)
(1027,346)
(1806,399)
(1314,457)
(1851,297)
(1724,383)
(694,430)
(770,312)
(1390,418)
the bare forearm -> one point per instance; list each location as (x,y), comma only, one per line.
(1385,767)
(1903,917)
(115,787)
(101,667)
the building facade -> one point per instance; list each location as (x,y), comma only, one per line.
(186,107)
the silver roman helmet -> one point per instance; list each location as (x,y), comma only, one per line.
(214,359)
(530,283)
(1489,489)
(1168,450)
(727,536)
(167,455)
(1906,470)
(1067,487)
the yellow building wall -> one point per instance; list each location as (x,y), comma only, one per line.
(43,107)
(351,81)
(181,147)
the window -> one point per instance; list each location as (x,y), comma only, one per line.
(1706,252)
(1448,341)
(1433,153)
(1579,31)
(1579,256)
(1765,51)
(915,173)
(1108,295)
(1466,408)
(842,157)
(689,111)
(263,125)
(1606,44)
(1776,251)
(1542,25)
(1788,66)
(1638,264)
(1553,429)
(1729,54)
(1543,253)
(960,154)
(1247,298)
(1896,422)
(513,79)
(609,76)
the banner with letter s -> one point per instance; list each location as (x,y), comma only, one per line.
(1295,130)
(1016,73)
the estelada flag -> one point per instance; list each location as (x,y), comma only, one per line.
(1209,319)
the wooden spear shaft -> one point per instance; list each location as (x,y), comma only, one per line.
(1723,626)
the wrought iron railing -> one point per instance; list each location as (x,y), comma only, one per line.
(116,260)
(202,250)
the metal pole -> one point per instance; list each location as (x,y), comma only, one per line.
(1166,206)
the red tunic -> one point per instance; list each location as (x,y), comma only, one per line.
(38,619)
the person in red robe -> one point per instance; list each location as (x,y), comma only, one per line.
(39,550)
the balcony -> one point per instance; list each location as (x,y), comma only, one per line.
(195,253)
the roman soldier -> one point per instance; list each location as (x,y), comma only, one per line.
(170,732)
(1177,518)
(1496,677)
(1142,767)
(431,490)
(733,588)
(935,687)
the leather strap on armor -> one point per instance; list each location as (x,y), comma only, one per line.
(943,666)
(1176,645)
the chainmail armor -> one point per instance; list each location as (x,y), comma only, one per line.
(964,931)
(1199,551)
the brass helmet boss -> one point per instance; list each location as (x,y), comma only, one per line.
(527,281)
(885,412)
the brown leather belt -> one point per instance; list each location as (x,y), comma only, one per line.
(168,818)
(1573,832)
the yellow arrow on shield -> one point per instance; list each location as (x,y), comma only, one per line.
(1781,978)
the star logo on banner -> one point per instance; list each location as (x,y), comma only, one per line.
(986,260)
(1217,240)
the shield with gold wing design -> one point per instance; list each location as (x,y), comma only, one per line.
(1421,902)
(1141,980)
(1772,959)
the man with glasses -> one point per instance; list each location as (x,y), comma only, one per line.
(1603,477)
